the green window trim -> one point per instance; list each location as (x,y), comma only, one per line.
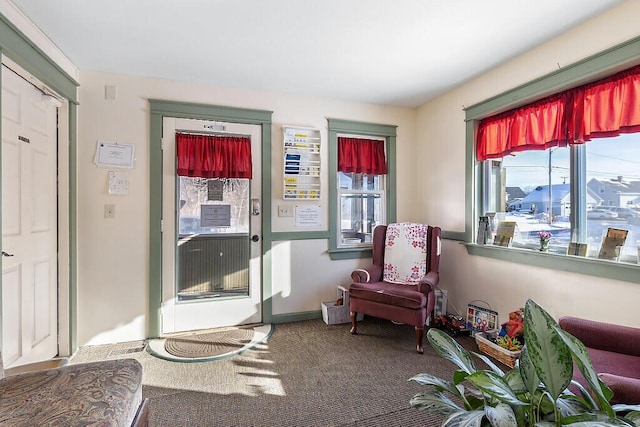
(338,126)
(617,58)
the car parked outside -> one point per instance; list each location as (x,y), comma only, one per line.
(625,213)
(601,214)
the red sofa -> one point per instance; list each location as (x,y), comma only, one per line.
(615,354)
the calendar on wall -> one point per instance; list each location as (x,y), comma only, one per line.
(301,163)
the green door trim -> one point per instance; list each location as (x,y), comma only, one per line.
(25,53)
(159,109)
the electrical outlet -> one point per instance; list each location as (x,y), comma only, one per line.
(109,211)
(285,211)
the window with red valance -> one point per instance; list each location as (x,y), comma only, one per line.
(604,108)
(213,156)
(359,155)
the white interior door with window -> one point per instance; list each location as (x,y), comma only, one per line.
(29,223)
(211,238)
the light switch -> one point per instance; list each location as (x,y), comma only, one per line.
(285,211)
(110,92)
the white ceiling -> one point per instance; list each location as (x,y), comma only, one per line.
(398,52)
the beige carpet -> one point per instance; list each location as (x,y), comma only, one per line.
(305,374)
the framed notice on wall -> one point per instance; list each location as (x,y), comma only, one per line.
(114,155)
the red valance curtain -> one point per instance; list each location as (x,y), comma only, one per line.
(536,126)
(604,108)
(361,156)
(609,107)
(213,156)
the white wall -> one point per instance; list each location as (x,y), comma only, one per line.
(113,255)
(441,148)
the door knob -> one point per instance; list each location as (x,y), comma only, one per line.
(6,254)
(255,238)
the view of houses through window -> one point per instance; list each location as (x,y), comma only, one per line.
(361,198)
(533,188)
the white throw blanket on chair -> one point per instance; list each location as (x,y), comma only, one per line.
(405,253)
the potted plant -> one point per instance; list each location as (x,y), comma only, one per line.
(534,393)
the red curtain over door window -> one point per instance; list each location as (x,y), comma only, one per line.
(213,156)
(357,155)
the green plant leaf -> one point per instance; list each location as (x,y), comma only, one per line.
(548,353)
(633,416)
(528,371)
(464,419)
(459,376)
(623,407)
(474,403)
(571,406)
(438,383)
(595,419)
(490,363)
(492,384)
(501,416)
(514,379)
(584,396)
(542,400)
(582,359)
(449,349)
(434,402)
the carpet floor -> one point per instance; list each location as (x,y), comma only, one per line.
(305,374)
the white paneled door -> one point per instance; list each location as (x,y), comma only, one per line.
(29,223)
(211,241)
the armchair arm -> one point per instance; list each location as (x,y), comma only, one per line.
(371,273)
(603,336)
(429,282)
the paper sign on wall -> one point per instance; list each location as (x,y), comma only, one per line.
(308,216)
(118,183)
(114,155)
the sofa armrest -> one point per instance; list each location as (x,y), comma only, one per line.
(625,390)
(603,336)
(369,274)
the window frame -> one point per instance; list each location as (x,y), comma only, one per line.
(340,127)
(358,193)
(590,69)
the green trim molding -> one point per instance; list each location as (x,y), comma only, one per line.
(339,126)
(610,61)
(163,108)
(19,48)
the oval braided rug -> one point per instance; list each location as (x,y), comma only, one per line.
(208,344)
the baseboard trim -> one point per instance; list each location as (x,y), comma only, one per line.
(296,317)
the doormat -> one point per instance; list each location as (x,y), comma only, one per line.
(207,345)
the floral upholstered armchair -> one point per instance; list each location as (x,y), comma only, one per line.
(400,283)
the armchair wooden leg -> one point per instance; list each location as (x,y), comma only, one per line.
(419,336)
(354,322)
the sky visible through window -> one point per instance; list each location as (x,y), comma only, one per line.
(607,159)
